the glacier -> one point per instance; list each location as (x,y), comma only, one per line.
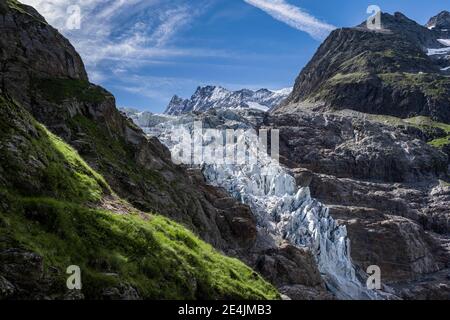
(282,209)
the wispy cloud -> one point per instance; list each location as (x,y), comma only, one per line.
(127,32)
(294,17)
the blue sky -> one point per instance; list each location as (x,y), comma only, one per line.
(145,51)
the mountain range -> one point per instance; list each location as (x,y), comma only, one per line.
(210,97)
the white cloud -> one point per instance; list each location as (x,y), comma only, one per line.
(126,32)
(172,21)
(294,17)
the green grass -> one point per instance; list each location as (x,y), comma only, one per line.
(59,90)
(434,86)
(158,257)
(48,196)
(16,5)
(426,124)
(348,78)
(35,160)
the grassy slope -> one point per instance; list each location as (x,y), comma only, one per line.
(113,155)
(425,123)
(420,122)
(160,258)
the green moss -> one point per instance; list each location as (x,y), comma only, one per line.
(160,258)
(434,86)
(35,160)
(423,121)
(348,78)
(378,59)
(426,124)
(81,181)
(440,143)
(16,5)
(59,90)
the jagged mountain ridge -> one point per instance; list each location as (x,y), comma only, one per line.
(210,97)
(400,70)
(87,119)
(440,21)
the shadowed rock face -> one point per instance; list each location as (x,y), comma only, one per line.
(389,71)
(351,148)
(384,184)
(43,52)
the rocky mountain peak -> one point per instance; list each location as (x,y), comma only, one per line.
(440,21)
(210,97)
(43,52)
(376,72)
(176,100)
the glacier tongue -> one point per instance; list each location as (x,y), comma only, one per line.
(285,211)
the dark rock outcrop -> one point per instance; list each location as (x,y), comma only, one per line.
(384,184)
(294,271)
(440,21)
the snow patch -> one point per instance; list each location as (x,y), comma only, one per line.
(440,51)
(256,105)
(445,42)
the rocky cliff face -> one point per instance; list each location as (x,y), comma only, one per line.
(399,70)
(211,97)
(385,184)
